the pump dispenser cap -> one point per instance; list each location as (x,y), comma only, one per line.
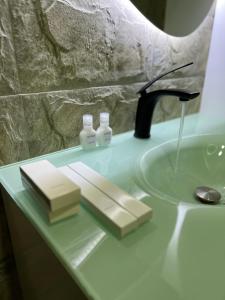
(104,118)
(87,120)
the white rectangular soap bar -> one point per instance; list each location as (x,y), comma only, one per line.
(138,209)
(118,218)
(56,215)
(56,189)
(63,213)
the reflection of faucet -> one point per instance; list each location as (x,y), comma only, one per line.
(147,102)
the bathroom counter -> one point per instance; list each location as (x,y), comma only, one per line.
(170,257)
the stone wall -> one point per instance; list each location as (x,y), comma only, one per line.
(60,59)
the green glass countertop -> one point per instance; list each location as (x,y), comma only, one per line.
(178,254)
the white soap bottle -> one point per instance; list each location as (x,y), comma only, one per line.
(88,134)
(104,132)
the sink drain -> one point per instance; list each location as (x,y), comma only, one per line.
(207,195)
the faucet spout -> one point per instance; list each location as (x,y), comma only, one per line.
(146,106)
(148,100)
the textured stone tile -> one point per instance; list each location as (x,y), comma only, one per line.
(35,55)
(71,44)
(40,136)
(93,40)
(54,120)
(9,83)
(12,130)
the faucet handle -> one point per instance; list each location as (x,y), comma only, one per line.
(147,85)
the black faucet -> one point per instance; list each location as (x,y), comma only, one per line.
(148,100)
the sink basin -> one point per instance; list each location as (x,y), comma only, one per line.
(201,163)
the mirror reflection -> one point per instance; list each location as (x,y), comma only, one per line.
(175,17)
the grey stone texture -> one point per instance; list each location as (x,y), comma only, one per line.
(54,119)
(60,59)
(13,128)
(9,83)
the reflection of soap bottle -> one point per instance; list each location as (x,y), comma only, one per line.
(88,134)
(104,132)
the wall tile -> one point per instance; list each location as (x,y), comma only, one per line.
(12,130)
(62,45)
(9,82)
(54,119)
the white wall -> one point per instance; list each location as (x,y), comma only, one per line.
(212,112)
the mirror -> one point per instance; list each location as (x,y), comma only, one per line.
(175,17)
